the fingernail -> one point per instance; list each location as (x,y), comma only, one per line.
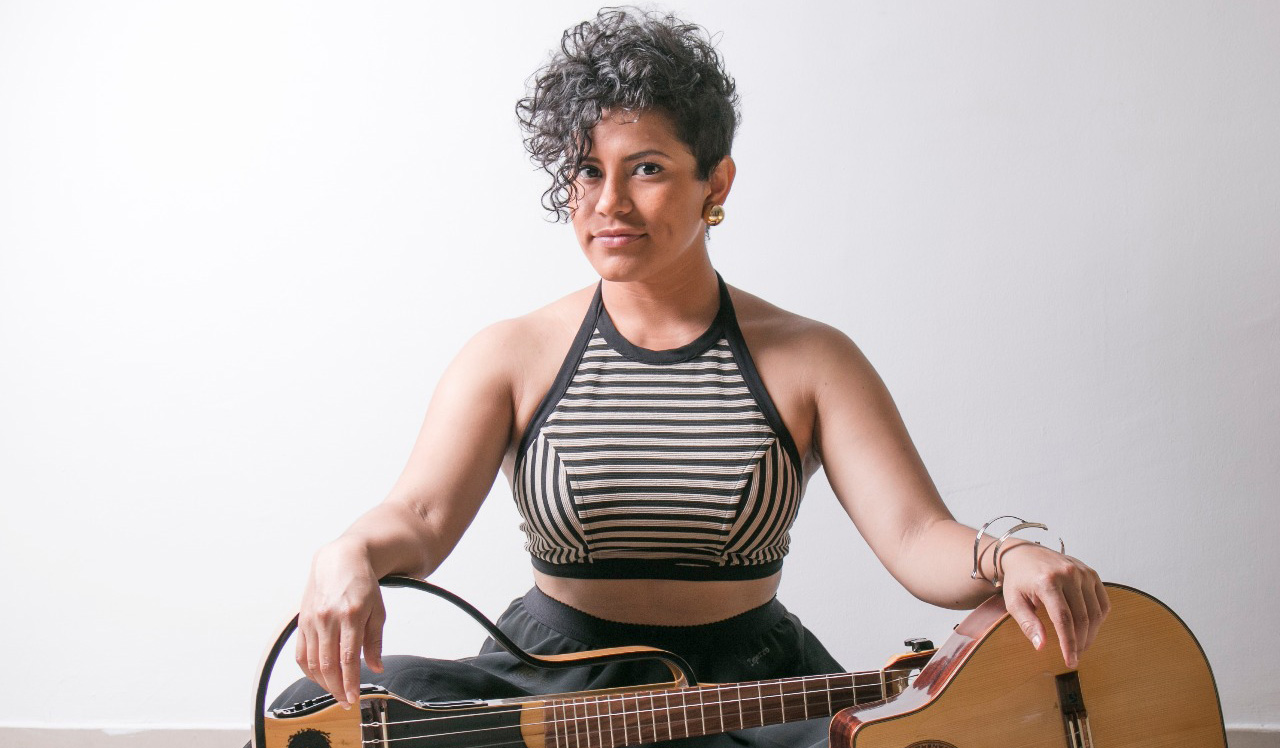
(1035,641)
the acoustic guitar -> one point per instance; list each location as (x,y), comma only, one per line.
(1144,683)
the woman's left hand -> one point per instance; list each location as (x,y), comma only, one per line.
(1070,592)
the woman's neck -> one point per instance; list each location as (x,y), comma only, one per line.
(663,314)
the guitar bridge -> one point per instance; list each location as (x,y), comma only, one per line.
(1075,719)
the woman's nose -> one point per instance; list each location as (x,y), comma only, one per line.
(613,198)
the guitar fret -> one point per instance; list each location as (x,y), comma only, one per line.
(570,725)
(606,719)
(653,723)
(735,707)
(720,711)
(716,696)
(616,716)
(555,724)
(790,708)
(814,699)
(622,715)
(758,710)
(667,712)
(639,707)
(602,716)
(684,714)
(592,707)
(577,722)
(623,705)
(587,726)
(793,700)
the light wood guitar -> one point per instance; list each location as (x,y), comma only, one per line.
(1144,683)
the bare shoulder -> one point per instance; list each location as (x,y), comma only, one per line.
(524,353)
(771,330)
(529,335)
(808,367)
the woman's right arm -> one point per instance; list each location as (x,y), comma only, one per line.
(450,471)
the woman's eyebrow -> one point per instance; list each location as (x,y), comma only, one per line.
(632,157)
(645,154)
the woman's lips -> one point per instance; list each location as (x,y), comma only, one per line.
(613,241)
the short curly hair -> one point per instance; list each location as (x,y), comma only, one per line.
(629,59)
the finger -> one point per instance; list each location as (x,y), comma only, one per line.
(1074,595)
(1024,613)
(330,663)
(1059,611)
(349,652)
(313,657)
(1094,608)
(373,639)
(1104,604)
(300,652)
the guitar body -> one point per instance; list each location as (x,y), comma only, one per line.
(1144,683)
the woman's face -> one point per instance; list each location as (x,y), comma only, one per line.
(638,208)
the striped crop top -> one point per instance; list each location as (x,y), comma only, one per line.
(643,464)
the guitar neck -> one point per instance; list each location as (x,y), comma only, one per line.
(634,718)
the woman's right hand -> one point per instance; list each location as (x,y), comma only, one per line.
(450,471)
(341,614)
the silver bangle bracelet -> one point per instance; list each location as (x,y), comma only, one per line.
(997,569)
(977,542)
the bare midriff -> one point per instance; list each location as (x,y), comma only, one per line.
(659,602)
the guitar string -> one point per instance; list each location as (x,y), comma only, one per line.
(900,676)
(686,721)
(621,699)
(600,741)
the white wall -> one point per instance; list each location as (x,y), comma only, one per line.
(240,240)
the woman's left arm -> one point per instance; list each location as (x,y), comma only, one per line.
(878,476)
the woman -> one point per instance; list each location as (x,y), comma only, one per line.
(658,427)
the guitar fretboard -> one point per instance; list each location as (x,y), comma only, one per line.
(634,718)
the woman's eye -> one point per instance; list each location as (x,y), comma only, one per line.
(648,170)
(588,172)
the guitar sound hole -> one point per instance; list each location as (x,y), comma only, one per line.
(309,738)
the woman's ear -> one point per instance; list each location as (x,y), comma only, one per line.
(721,181)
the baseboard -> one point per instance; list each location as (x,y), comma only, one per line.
(1240,736)
(1253,736)
(122,737)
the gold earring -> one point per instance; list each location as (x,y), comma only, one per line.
(713,214)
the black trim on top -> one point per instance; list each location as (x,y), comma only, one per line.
(563,377)
(686,352)
(644,568)
(747,365)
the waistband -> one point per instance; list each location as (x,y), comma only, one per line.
(599,632)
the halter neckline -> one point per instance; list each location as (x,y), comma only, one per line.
(687,352)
